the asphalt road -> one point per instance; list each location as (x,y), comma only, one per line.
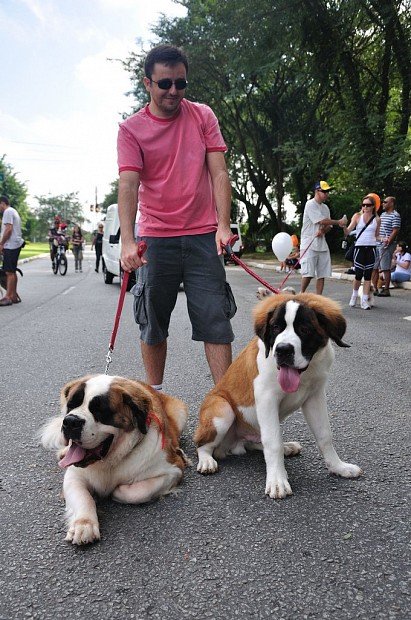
(219,548)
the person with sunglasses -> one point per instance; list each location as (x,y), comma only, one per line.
(316,258)
(390,226)
(366,223)
(172,168)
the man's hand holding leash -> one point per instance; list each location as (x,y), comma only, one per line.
(222,238)
(131,256)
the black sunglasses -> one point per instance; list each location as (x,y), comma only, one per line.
(325,191)
(166,83)
(367,204)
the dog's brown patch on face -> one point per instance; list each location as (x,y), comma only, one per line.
(328,314)
(130,405)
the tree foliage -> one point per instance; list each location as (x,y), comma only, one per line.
(111,197)
(66,206)
(14,189)
(302,90)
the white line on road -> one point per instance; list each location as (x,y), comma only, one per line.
(407,318)
(68,290)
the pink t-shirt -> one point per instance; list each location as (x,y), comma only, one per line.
(175,194)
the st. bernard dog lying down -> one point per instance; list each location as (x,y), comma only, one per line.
(119,438)
(283,368)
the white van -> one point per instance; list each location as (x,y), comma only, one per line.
(112,248)
(237,247)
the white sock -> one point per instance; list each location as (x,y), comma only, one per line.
(354,295)
(365,298)
(158,387)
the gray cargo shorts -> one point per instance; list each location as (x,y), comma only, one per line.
(193,261)
(384,256)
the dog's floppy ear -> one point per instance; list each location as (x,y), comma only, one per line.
(264,313)
(329,316)
(139,406)
(263,331)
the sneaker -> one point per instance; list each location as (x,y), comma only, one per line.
(350,271)
(384,293)
(353,302)
(365,305)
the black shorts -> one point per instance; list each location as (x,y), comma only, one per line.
(364,261)
(192,260)
(10,259)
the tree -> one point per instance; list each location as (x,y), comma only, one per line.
(314,89)
(67,206)
(111,197)
(15,190)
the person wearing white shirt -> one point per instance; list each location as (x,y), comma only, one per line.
(11,243)
(316,259)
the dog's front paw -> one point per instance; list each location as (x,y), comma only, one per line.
(346,470)
(278,487)
(206,464)
(83,532)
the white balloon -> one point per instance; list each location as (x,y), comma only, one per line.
(282,245)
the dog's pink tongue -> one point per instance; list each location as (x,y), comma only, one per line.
(289,379)
(75,454)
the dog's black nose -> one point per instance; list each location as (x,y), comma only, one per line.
(284,353)
(72,426)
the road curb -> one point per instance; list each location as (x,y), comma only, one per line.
(335,275)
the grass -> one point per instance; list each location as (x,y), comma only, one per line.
(34,249)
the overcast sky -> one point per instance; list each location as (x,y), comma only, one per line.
(61,97)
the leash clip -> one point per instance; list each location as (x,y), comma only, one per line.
(109,359)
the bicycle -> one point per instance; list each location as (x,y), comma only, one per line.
(59,263)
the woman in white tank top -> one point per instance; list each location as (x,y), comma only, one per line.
(367,226)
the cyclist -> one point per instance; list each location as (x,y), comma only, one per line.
(57,236)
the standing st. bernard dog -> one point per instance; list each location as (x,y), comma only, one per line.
(285,367)
(119,438)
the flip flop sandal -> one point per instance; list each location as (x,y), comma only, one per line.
(5,302)
(18,300)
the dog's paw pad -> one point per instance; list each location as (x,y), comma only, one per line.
(83,532)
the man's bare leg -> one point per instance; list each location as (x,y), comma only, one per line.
(219,358)
(154,359)
(319,286)
(304,283)
(11,292)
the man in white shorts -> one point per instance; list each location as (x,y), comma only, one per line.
(316,261)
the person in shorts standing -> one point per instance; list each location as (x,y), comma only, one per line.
(366,223)
(389,229)
(316,258)
(11,243)
(171,164)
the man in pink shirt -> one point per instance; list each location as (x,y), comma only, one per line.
(172,168)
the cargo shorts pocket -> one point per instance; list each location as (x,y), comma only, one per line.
(230,307)
(140,312)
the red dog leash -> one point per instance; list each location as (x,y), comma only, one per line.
(141,248)
(229,251)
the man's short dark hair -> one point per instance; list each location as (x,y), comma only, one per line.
(5,200)
(166,55)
